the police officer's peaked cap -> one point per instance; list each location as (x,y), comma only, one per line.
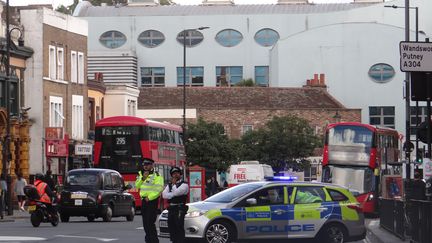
(147,161)
(175,169)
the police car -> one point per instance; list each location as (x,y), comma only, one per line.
(274,210)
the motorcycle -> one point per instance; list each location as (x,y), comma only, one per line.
(40,212)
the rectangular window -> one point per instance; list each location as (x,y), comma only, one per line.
(228,76)
(382,116)
(152,76)
(80,67)
(60,63)
(246,128)
(262,76)
(74,67)
(77,117)
(194,76)
(56,111)
(52,68)
(414,121)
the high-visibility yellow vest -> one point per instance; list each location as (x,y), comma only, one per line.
(151,187)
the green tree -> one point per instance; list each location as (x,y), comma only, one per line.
(208,146)
(283,142)
(246,83)
(166,2)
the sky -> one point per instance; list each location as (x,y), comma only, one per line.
(183,2)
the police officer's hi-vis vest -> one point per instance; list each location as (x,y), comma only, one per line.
(151,187)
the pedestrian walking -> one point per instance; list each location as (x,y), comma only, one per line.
(3,191)
(176,192)
(19,191)
(150,186)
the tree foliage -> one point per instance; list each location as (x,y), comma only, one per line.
(283,143)
(208,146)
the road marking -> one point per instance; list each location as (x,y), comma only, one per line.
(86,237)
(20,238)
(140,228)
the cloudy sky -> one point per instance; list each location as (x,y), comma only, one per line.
(183,2)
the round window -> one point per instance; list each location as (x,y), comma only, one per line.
(381,73)
(229,37)
(151,38)
(193,37)
(112,39)
(266,37)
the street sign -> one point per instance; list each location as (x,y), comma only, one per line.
(415,56)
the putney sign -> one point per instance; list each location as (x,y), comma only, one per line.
(415,56)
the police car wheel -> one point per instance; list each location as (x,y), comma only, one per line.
(220,232)
(333,233)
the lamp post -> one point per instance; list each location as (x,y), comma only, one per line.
(7,140)
(416,19)
(185,32)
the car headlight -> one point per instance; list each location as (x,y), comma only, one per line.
(194,214)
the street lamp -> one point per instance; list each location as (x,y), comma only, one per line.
(416,12)
(407,83)
(185,32)
(6,150)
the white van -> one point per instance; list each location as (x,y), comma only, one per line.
(248,171)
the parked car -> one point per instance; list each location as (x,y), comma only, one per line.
(94,193)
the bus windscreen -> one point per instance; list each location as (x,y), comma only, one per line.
(120,147)
(349,145)
(360,180)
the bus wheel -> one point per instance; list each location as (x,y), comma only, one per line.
(108,214)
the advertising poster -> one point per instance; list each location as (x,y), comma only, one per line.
(393,187)
(195,179)
(195,194)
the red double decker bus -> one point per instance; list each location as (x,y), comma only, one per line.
(355,155)
(122,142)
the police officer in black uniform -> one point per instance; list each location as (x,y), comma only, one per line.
(176,192)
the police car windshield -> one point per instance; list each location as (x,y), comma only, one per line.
(233,193)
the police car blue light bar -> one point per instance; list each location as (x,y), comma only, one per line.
(281,178)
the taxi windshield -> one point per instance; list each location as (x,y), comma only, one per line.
(233,193)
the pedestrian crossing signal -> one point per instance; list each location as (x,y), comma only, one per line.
(420,155)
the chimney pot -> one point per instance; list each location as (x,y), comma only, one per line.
(308,82)
(322,79)
(316,81)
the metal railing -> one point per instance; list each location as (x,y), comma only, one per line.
(421,221)
(392,216)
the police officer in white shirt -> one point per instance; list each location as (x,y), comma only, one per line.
(176,192)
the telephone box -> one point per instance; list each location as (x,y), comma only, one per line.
(196,183)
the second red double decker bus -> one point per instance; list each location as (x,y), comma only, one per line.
(354,156)
(122,142)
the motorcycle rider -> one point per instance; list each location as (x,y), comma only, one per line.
(44,192)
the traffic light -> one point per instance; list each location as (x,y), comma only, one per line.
(420,155)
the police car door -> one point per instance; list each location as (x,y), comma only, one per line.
(308,211)
(268,218)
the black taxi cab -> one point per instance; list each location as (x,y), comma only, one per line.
(95,193)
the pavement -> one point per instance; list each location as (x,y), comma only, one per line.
(17,214)
(379,234)
(375,232)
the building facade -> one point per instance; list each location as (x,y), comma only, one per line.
(56,89)
(276,45)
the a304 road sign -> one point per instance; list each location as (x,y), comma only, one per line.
(415,56)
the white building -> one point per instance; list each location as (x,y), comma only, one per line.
(281,45)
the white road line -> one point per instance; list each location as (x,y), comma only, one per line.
(140,228)
(20,238)
(86,237)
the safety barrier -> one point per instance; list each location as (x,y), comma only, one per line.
(421,221)
(392,217)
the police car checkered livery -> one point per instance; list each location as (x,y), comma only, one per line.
(274,210)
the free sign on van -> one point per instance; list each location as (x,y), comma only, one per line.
(415,56)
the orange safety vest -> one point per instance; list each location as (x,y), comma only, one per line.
(40,186)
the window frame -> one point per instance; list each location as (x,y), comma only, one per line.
(152,76)
(56,111)
(77,117)
(190,37)
(190,76)
(74,67)
(231,39)
(115,42)
(266,38)
(378,76)
(382,116)
(228,75)
(151,38)
(266,76)
(81,67)
(52,67)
